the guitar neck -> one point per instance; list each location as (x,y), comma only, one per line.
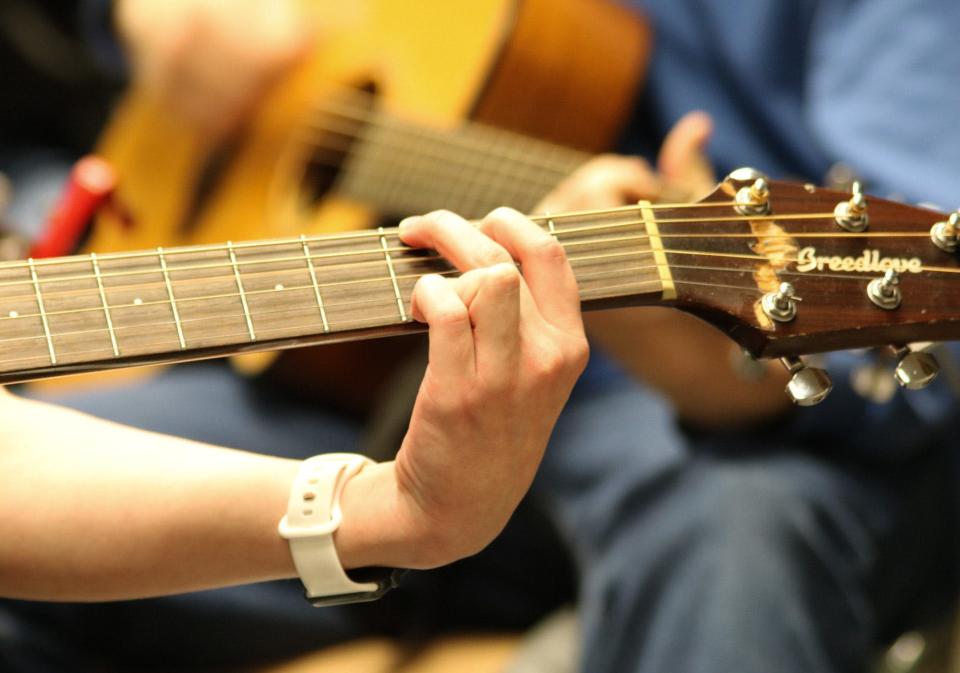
(400,167)
(93,312)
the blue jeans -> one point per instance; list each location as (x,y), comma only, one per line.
(694,553)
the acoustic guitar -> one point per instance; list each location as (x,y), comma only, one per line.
(402,108)
(784,269)
(374,122)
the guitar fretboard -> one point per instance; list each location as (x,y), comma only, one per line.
(403,168)
(97,311)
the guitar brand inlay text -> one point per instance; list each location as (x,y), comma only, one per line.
(869,261)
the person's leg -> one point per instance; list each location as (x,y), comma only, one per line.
(706,556)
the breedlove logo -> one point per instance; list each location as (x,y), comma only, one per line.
(868,262)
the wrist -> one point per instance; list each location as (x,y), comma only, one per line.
(383,526)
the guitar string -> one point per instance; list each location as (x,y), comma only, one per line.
(404,259)
(51,296)
(581,277)
(372,117)
(347,326)
(273,274)
(408,256)
(415,145)
(309,308)
(392,231)
(406,183)
(415,258)
(584,295)
(359,235)
(417,150)
(483,135)
(406,194)
(421,258)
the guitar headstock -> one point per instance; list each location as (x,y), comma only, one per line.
(788,269)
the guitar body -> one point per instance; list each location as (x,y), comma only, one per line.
(561,70)
(564,71)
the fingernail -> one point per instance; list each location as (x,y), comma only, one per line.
(406,223)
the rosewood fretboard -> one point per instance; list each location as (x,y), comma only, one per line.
(92,312)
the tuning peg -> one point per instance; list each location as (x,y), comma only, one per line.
(852,215)
(885,292)
(944,234)
(808,385)
(746,174)
(755,199)
(915,369)
(780,305)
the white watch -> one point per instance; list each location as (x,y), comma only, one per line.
(313,515)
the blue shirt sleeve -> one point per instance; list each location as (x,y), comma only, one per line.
(883,94)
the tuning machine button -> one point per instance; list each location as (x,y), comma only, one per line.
(782,304)
(745,174)
(944,234)
(852,215)
(808,385)
(915,369)
(754,199)
(885,292)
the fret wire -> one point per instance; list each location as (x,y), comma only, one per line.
(377,279)
(243,296)
(345,326)
(335,255)
(273,260)
(216,317)
(573,260)
(581,276)
(376,301)
(313,280)
(417,259)
(43,313)
(203,279)
(393,276)
(242,263)
(106,307)
(229,295)
(551,227)
(173,302)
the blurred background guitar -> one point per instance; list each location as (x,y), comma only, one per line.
(399,108)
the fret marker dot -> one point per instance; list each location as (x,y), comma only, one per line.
(278,287)
(137,301)
(13,314)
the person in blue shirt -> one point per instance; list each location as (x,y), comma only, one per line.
(745,536)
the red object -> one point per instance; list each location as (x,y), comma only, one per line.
(89,187)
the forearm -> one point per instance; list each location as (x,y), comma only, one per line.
(691,363)
(91,510)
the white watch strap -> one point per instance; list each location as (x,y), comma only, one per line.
(313,515)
